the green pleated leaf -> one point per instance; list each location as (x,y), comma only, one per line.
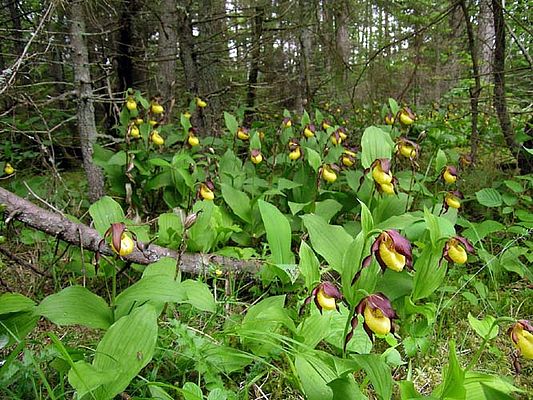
(163,289)
(309,266)
(15,302)
(76,305)
(15,326)
(489,197)
(124,350)
(278,232)
(378,372)
(486,328)
(375,143)
(105,212)
(231,123)
(238,201)
(453,385)
(314,376)
(330,241)
(428,273)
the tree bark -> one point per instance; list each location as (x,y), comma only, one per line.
(167,50)
(253,74)
(524,159)
(486,39)
(85,113)
(303,97)
(342,43)
(81,235)
(475,91)
(128,43)
(213,54)
(189,61)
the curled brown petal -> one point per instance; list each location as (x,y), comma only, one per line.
(402,246)
(466,243)
(117,229)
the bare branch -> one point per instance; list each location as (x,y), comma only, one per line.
(81,235)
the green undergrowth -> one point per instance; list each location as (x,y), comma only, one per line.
(392,267)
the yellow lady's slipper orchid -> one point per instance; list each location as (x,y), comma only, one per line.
(348,158)
(256,156)
(392,251)
(325,297)
(206,193)
(390,256)
(381,176)
(309,131)
(156,138)
(126,245)
(453,200)
(138,121)
(134,132)
(156,108)
(8,169)
(387,188)
(449,174)
(187,114)
(406,116)
(328,174)
(201,103)
(325,301)
(131,104)
(456,249)
(242,133)
(295,154)
(407,148)
(389,119)
(378,313)
(457,254)
(376,321)
(521,334)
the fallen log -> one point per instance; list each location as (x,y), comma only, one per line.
(77,234)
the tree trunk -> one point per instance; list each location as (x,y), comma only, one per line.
(475,91)
(14,15)
(167,50)
(128,43)
(486,39)
(524,159)
(213,54)
(342,44)
(85,114)
(253,74)
(188,60)
(303,97)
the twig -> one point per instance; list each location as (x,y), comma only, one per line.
(42,200)
(22,262)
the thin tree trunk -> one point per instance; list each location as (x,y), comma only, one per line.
(14,15)
(303,97)
(524,159)
(189,61)
(486,39)
(129,75)
(85,114)
(342,44)
(475,91)
(213,54)
(253,74)
(167,50)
